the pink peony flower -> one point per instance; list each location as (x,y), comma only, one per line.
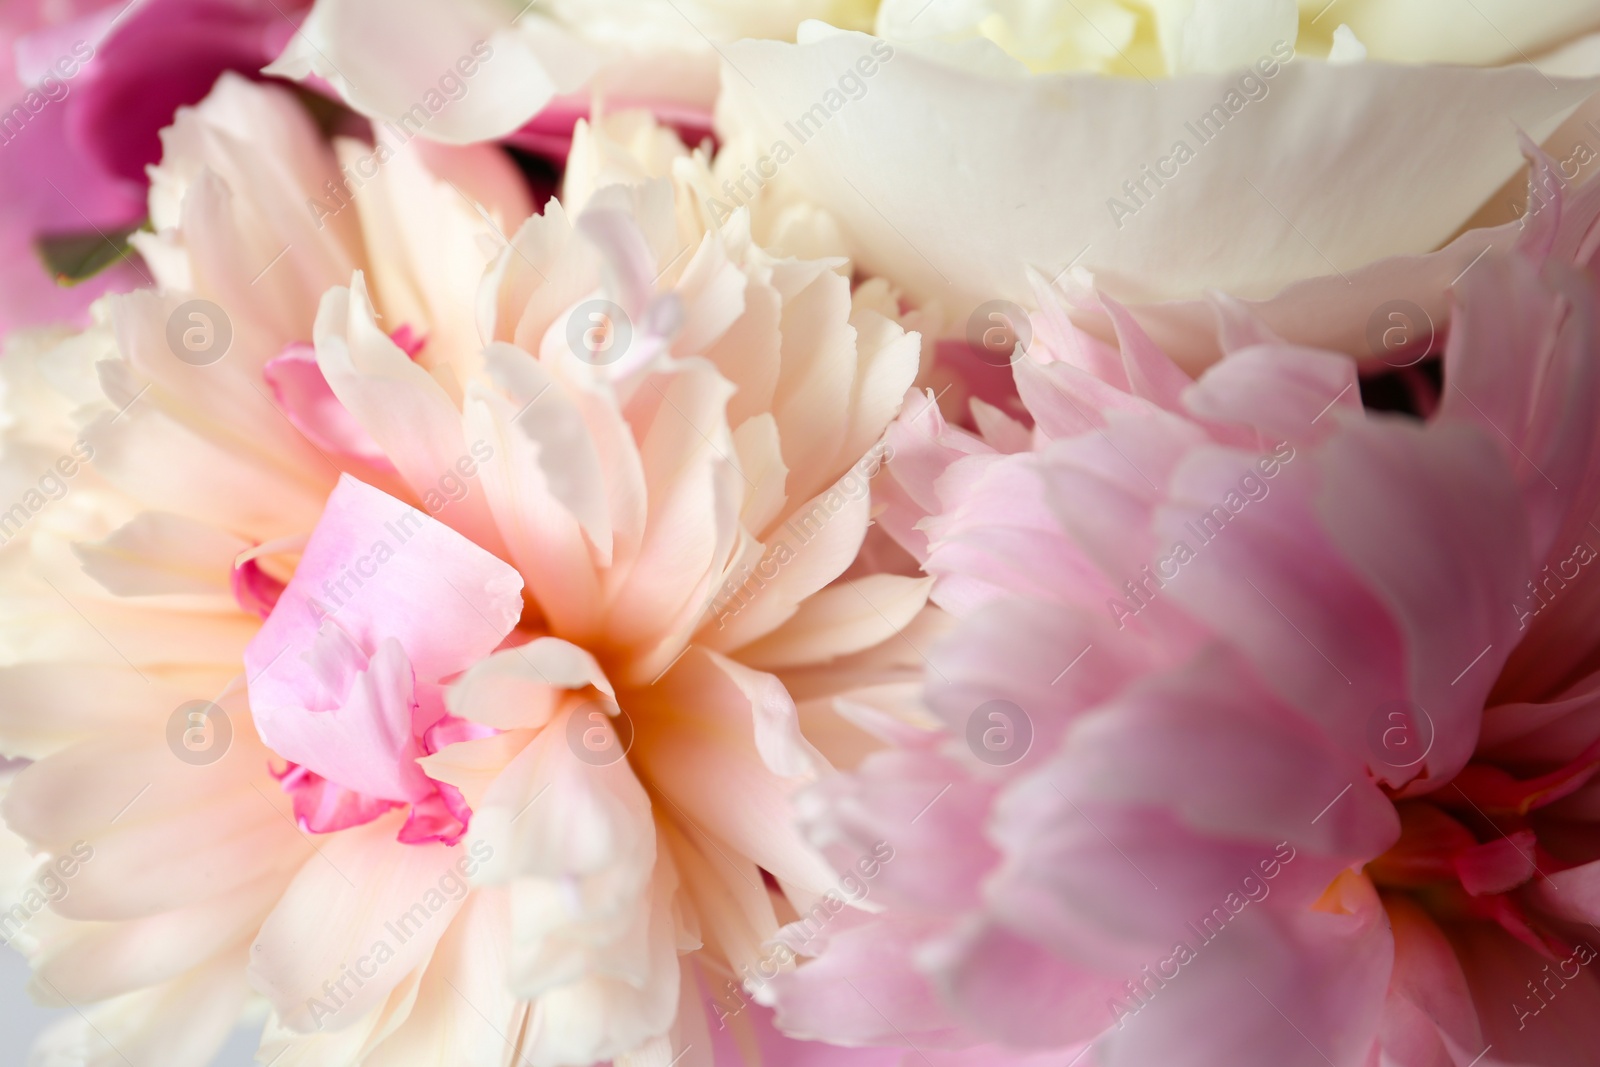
(1266,723)
(552,631)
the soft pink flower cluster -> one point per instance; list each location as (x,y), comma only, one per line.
(500,567)
(1297,735)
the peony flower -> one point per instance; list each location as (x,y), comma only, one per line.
(492,69)
(1210,173)
(128,618)
(87,86)
(1134,40)
(506,547)
(1265,720)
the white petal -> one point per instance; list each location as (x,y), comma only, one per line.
(366,906)
(460,72)
(406,411)
(160,553)
(520,688)
(884,169)
(846,617)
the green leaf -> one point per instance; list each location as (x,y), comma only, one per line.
(76,257)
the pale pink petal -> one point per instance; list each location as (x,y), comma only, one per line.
(302,392)
(1297,990)
(862,990)
(1541,1026)
(1428,1016)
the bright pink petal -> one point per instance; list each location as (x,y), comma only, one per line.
(381,568)
(347,688)
(321,807)
(254,589)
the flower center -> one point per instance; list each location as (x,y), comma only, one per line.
(1477,848)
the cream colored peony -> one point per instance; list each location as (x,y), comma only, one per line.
(1155,152)
(1157,38)
(616,459)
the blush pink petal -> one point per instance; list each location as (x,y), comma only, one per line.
(1297,990)
(1160,743)
(998,979)
(863,988)
(924,804)
(1548,1028)
(1428,1016)
(359,731)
